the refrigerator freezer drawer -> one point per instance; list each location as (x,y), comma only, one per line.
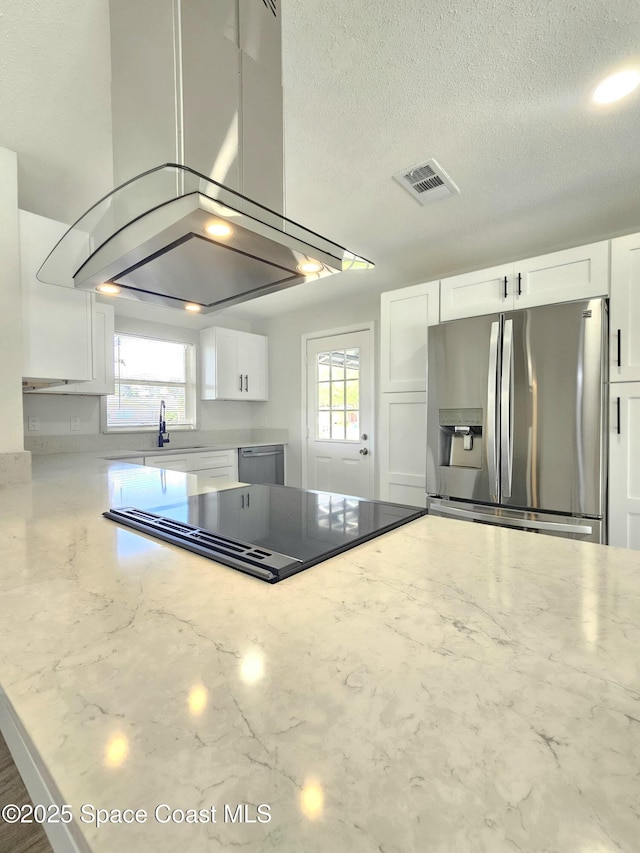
(585,529)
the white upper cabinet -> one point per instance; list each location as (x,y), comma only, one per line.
(405,316)
(56,321)
(102,333)
(579,273)
(624,318)
(233,365)
(476,293)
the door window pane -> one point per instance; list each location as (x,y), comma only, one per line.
(338,395)
(337,365)
(353,426)
(353,394)
(324,367)
(324,425)
(337,425)
(324,395)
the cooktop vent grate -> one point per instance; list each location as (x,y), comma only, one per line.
(426,182)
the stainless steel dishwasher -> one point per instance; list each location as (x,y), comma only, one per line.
(261,464)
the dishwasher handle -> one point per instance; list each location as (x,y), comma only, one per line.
(247,453)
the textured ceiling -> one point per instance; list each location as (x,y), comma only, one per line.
(496,90)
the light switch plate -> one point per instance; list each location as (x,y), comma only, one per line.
(75,424)
(33,423)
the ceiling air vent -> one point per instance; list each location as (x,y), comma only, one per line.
(426,182)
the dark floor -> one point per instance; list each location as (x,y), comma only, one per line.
(18,837)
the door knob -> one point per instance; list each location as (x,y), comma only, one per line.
(364,451)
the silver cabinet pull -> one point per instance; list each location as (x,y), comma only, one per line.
(241,382)
(246,382)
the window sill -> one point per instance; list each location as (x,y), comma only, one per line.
(148,430)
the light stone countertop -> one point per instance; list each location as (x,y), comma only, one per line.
(444,688)
(177,451)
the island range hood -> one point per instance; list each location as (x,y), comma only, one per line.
(197,220)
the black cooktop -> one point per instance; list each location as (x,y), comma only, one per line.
(268,531)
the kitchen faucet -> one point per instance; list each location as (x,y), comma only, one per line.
(163,435)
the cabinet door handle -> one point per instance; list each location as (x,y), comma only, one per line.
(618,430)
(241,382)
(246,382)
(519,284)
(619,347)
(506,292)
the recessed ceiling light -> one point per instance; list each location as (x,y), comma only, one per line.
(108,288)
(616,86)
(309,267)
(191,306)
(219,229)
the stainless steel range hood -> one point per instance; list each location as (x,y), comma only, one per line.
(198,219)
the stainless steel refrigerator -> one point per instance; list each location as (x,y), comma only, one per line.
(516,419)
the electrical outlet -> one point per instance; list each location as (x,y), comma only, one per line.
(75,424)
(34,423)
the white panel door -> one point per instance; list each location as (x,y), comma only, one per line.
(405,316)
(625,309)
(579,273)
(624,465)
(481,292)
(340,414)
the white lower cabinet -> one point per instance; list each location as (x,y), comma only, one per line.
(403,448)
(624,465)
(219,465)
(219,475)
(170,462)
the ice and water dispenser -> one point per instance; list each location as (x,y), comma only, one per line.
(460,438)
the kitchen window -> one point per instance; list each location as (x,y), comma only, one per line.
(148,370)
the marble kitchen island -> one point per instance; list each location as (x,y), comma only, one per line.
(446,687)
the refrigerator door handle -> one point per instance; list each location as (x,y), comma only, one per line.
(506,410)
(492,434)
(505,521)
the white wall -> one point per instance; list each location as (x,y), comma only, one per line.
(15,466)
(285,405)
